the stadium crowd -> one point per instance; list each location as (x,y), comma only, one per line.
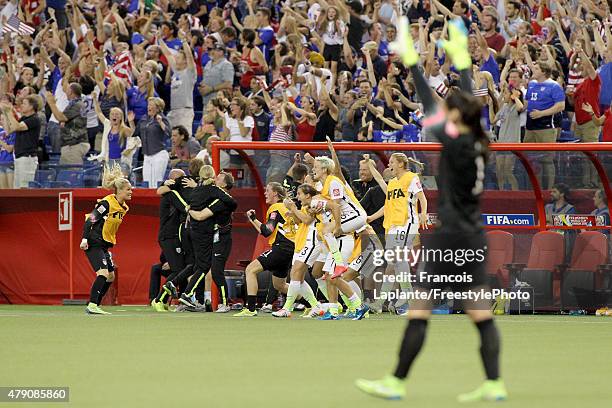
(149,84)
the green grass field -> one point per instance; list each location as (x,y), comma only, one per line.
(136,358)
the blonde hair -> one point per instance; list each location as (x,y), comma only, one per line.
(158,102)
(402,158)
(326,163)
(113,178)
(124,131)
(207,174)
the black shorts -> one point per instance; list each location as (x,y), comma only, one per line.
(332,52)
(277,260)
(454,260)
(100,258)
(174,254)
(186,244)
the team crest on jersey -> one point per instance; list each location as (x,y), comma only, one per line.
(101,209)
(178,250)
(104,262)
(418,184)
(336,191)
(273,215)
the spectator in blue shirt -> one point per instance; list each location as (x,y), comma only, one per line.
(169,32)
(7,165)
(138,95)
(544,98)
(265,33)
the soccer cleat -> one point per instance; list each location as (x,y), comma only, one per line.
(298,307)
(350,314)
(170,289)
(398,310)
(338,271)
(266,308)
(187,300)
(491,390)
(158,306)
(246,313)
(389,387)
(329,316)
(282,313)
(94,309)
(223,309)
(361,312)
(603,311)
(457,47)
(313,312)
(404,45)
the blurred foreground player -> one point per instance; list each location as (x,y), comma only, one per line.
(456,124)
(100,234)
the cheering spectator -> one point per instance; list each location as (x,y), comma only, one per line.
(184,77)
(7,162)
(217,75)
(184,147)
(545,98)
(73,131)
(153,129)
(27,131)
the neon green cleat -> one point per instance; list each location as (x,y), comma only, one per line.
(491,390)
(246,313)
(404,45)
(92,308)
(158,306)
(457,47)
(390,387)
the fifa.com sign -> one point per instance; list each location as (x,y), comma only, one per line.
(499,219)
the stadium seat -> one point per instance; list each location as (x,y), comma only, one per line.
(44,177)
(74,178)
(546,254)
(92,176)
(500,253)
(590,253)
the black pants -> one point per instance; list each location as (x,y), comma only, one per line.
(202,239)
(156,273)
(222,246)
(174,253)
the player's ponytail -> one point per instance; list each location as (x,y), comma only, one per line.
(113,178)
(207,175)
(278,189)
(419,165)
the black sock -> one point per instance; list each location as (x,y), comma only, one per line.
(97,288)
(489,348)
(107,285)
(414,336)
(251,302)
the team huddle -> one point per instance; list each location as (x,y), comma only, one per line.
(317,226)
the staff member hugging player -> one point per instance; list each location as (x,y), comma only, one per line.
(100,234)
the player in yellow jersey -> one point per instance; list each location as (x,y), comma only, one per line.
(307,250)
(100,234)
(405,210)
(280,231)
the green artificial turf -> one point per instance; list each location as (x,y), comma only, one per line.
(137,358)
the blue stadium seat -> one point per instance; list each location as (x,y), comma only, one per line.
(44,178)
(91,176)
(567,136)
(60,184)
(74,178)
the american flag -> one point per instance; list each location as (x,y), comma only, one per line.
(14,25)
(122,67)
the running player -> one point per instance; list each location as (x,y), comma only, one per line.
(401,217)
(456,124)
(307,249)
(279,228)
(100,234)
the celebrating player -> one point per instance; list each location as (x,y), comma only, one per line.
(456,124)
(100,234)
(280,231)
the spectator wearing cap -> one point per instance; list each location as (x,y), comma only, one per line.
(73,128)
(313,70)
(27,131)
(184,77)
(545,98)
(217,75)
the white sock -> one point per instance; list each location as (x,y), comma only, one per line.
(308,294)
(292,292)
(356,288)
